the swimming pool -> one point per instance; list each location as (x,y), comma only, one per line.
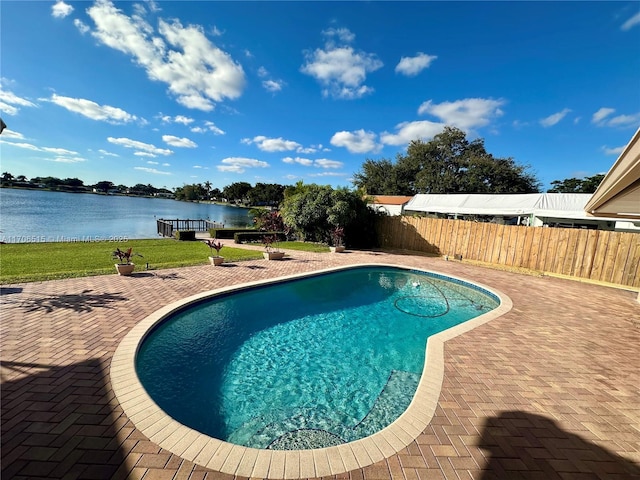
(252,365)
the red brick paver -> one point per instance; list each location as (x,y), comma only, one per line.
(550,390)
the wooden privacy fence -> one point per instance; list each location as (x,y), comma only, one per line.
(612,257)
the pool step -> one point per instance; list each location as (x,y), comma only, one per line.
(393,400)
(313,428)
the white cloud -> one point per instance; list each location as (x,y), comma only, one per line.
(325,163)
(273,85)
(409,131)
(208,127)
(601,114)
(144,154)
(553,119)
(308,150)
(62,155)
(12,134)
(68,160)
(8,109)
(632,22)
(9,102)
(151,162)
(356,142)
(58,151)
(465,114)
(341,69)
(272,144)
(179,142)
(240,164)
(82,27)
(107,154)
(327,174)
(613,151)
(151,170)
(183,120)
(26,146)
(61,9)
(412,66)
(343,34)
(197,72)
(143,147)
(603,118)
(92,110)
(301,161)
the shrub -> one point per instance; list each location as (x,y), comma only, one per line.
(185,235)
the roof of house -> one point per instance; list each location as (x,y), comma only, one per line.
(554,205)
(618,195)
(391,199)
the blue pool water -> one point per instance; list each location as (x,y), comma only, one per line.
(306,363)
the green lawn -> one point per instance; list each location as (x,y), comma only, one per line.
(32,262)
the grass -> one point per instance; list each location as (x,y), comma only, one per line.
(34,262)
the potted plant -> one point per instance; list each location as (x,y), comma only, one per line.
(217,246)
(271,222)
(125,266)
(271,250)
(337,237)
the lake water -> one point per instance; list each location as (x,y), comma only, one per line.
(44,216)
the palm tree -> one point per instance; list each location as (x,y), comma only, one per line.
(207,188)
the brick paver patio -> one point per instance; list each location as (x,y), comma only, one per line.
(551,390)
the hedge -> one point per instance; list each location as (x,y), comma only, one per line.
(228,233)
(253,237)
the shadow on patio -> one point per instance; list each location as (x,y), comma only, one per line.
(525,445)
(57,421)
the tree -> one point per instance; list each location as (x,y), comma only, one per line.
(576,185)
(236,192)
(7,177)
(104,186)
(263,194)
(313,211)
(449,163)
(73,182)
(190,193)
(378,178)
(207,189)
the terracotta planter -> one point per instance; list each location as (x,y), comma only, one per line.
(338,249)
(216,260)
(125,268)
(273,255)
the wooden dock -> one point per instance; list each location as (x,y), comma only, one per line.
(167,227)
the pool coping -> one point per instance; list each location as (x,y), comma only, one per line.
(242,461)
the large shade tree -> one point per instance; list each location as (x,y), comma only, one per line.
(449,163)
(576,185)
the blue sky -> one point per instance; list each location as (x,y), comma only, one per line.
(173,93)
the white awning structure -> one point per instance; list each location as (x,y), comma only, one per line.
(552,205)
(618,195)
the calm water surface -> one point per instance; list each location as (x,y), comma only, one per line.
(44,216)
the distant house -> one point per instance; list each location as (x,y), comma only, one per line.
(389,204)
(565,210)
